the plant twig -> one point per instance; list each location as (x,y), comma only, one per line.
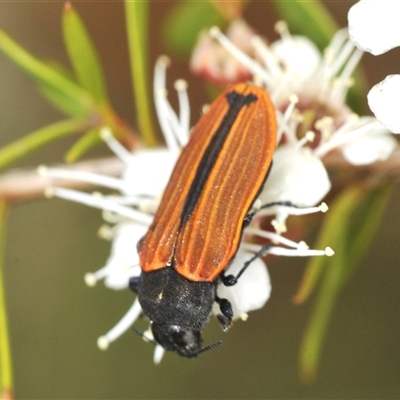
(17,186)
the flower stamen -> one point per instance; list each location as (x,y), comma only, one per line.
(94,200)
(184,110)
(158,354)
(291,210)
(120,151)
(274,237)
(247,61)
(300,251)
(281,28)
(122,326)
(166,116)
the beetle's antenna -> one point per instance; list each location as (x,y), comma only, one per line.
(210,347)
(143,335)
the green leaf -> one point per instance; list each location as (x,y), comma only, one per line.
(332,235)
(61,102)
(184,23)
(136,14)
(83,55)
(34,140)
(314,335)
(360,213)
(81,146)
(349,228)
(365,220)
(6,373)
(330,270)
(49,78)
(313,272)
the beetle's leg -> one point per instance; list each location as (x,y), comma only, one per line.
(230,280)
(134,284)
(225,307)
(227,313)
(248,218)
(225,323)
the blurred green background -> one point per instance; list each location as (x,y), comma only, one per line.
(55,319)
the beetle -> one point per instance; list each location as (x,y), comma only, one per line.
(198,226)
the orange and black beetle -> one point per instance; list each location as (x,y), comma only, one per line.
(197,229)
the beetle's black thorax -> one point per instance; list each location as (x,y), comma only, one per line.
(168,298)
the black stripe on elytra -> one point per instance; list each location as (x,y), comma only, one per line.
(236,102)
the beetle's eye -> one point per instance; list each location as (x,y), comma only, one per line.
(134,283)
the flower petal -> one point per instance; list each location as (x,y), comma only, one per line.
(374,25)
(384,100)
(148,172)
(377,146)
(252,290)
(299,55)
(123,262)
(296,176)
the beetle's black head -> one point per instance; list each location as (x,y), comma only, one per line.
(187,343)
(179,309)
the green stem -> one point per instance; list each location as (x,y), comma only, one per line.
(6,375)
(16,150)
(136,14)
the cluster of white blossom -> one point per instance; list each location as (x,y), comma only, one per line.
(308,90)
(374,27)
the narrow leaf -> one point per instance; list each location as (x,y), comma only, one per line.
(365,221)
(329,235)
(61,102)
(6,374)
(83,55)
(34,140)
(314,335)
(352,223)
(47,76)
(137,22)
(184,23)
(82,145)
(332,269)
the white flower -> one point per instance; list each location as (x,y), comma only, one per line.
(377,145)
(383,99)
(362,140)
(374,27)
(309,91)
(130,214)
(214,63)
(293,65)
(252,290)
(123,263)
(297,176)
